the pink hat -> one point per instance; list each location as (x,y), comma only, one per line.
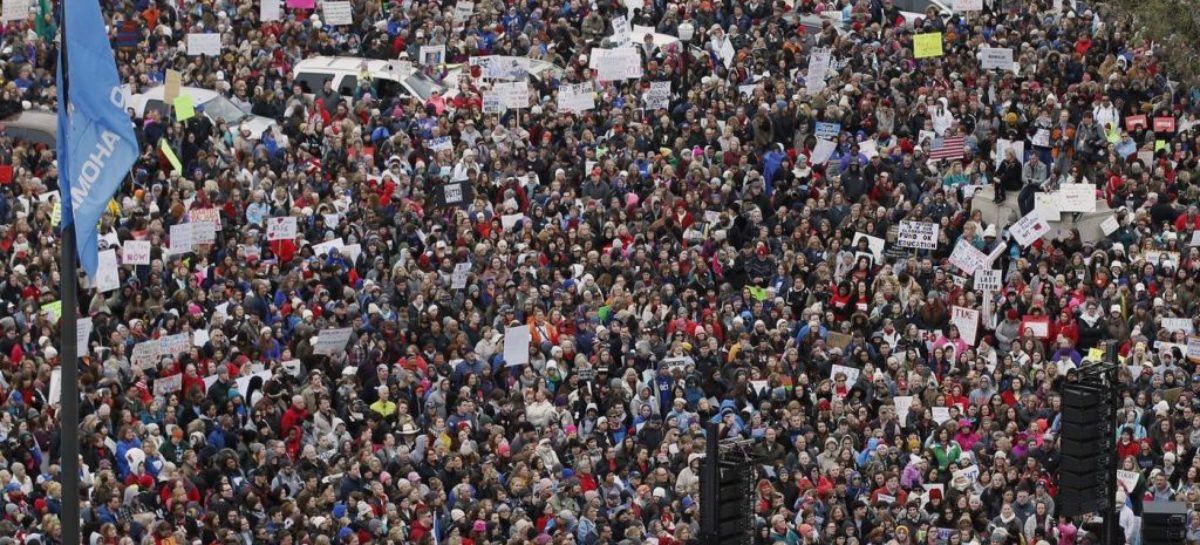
(571,429)
(480,526)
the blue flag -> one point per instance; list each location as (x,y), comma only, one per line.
(96,144)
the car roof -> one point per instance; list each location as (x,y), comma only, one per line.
(200,95)
(342,64)
(30,124)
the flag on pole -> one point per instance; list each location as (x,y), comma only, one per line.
(96,144)
(949,147)
(436,530)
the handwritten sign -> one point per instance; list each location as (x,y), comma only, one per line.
(927,45)
(145,354)
(182,239)
(940,414)
(337,13)
(441,143)
(1178,324)
(514,95)
(1029,229)
(332,341)
(917,234)
(458,280)
(208,43)
(1078,198)
(269,10)
(850,373)
(166,385)
(967,322)
(463,10)
(658,96)
(967,257)
(967,5)
(210,216)
(16,10)
(282,228)
(107,272)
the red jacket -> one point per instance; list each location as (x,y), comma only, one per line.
(292,418)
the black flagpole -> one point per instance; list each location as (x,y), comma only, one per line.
(68,346)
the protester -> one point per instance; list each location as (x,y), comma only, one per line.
(771,252)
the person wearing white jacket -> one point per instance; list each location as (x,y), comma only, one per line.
(1106,114)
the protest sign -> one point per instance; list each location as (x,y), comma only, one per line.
(1047,206)
(1164,124)
(516,345)
(658,96)
(822,151)
(903,404)
(206,215)
(940,414)
(987,280)
(15,10)
(514,94)
(332,341)
(337,13)
(204,44)
(166,385)
(441,143)
(181,238)
(458,280)
(1039,325)
(145,354)
(107,273)
(432,55)
(967,322)
(967,257)
(269,10)
(927,45)
(83,332)
(828,131)
(1178,324)
(960,6)
(1077,198)
(876,244)
(996,58)
(493,103)
(818,68)
(1193,349)
(1029,229)
(463,10)
(1134,122)
(850,372)
(173,82)
(282,228)
(917,234)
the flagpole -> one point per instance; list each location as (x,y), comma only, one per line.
(68,346)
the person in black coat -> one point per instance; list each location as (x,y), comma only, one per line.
(1008,176)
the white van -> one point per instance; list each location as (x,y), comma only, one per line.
(389,79)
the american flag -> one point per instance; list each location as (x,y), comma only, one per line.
(949,147)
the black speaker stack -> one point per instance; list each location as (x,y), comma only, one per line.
(1086,481)
(727,479)
(1164,523)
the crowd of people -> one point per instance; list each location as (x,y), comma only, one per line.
(703,262)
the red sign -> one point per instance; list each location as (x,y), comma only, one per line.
(1134,121)
(6,174)
(1164,124)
